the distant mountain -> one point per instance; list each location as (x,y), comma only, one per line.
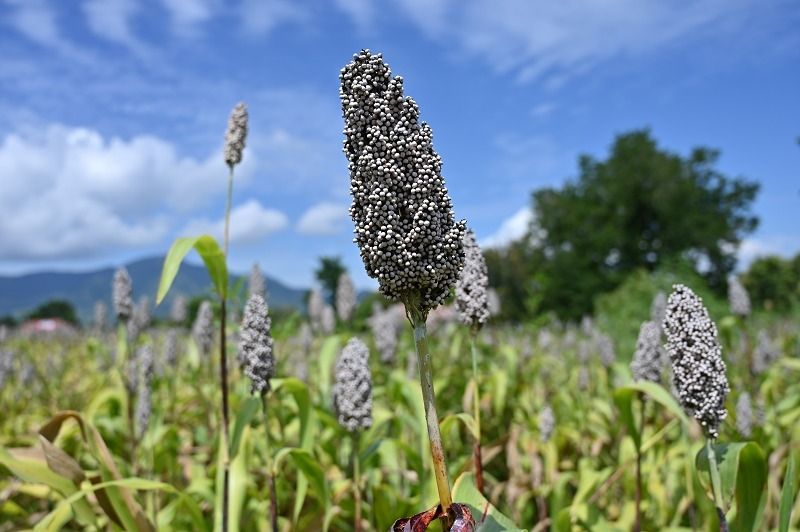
(21,294)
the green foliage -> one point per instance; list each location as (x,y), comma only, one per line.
(212,256)
(55,308)
(773,283)
(622,311)
(328,273)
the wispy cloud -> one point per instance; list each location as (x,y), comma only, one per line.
(259,17)
(37,21)
(112,19)
(551,41)
(323,219)
(250,223)
(188,15)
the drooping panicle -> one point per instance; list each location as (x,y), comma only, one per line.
(472,288)
(352,391)
(236,135)
(122,294)
(257,284)
(203,329)
(738,298)
(255,345)
(404,224)
(696,356)
(178,311)
(345,297)
(648,362)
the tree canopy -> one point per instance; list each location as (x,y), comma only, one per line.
(328,273)
(641,206)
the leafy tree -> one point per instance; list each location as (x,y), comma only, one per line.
(773,282)
(328,273)
(636,209)
(55,308)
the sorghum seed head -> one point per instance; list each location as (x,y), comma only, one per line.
(203,330)
(647,361)
(140,319)
(765,353)
(352,391)
(472,297)
(384,332)
(236,135)
(345,297)
(494,302)
(658,309)
(257,284)
(697,367)
(122,294)
(605,349)
(255,345)
(744,415)
(547,423)
(171,346)
(178,310)
(316,306)
(738,298)
(100,316)
(404,225)
(328,321)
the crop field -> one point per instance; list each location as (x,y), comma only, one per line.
(621,354)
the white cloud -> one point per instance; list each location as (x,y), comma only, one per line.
(188,14)
(323,219)
(250,222)
(259,17)
(755,247)
(543,109)
(70,191)
(542,40)
(512,228)
(38,22)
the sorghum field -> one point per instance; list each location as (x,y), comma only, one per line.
(670,408)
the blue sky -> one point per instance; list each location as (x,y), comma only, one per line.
(112,114)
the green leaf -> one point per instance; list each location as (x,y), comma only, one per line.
(660,395)
(246,414)
(787,496)
(743,478)
(465,492)
(624,399)
(37,472)
(467,420)
(213,258)
(327,355)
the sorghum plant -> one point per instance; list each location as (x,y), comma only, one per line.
(698,372)
(404,224)
(352,401)
(472,302)
(258,363)
(345,297)
(257,284)
(203,329)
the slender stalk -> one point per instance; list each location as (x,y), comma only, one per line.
(273,496)
(228,209)
(429,400)
(716,488)
(637,527)
(357,479)
(223,367)
(223,375)
(476,414)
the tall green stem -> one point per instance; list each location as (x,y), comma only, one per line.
(228,209)
(638,524)
(357,479)
(716,485)
(476,414)
(223,367)
(273,496)
(429,400)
